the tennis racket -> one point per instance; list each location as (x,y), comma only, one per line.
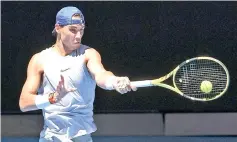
(199,79)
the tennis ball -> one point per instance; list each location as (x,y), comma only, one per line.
(206,86)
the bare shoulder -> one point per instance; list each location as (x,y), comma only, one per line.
(92,53)
(36,63)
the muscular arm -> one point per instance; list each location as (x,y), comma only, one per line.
(96,68)
(32,83)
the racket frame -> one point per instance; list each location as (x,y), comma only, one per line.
(158,82)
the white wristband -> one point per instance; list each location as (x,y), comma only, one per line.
(42,101)
(109,83)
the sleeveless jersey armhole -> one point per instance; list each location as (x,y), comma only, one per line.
(42,57)
(82,49)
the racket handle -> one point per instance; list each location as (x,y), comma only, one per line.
(145,83)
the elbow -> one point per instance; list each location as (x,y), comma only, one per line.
(22,107)
(23,110)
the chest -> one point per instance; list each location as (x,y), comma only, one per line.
(72,68)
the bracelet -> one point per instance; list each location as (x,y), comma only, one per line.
(51,98)
(43,101)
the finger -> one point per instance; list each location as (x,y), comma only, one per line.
(58,88)
(61,84)
(127,80)
(127,88)
(131,87)
(121,91)
(124,91)
(62,80)
(127,84)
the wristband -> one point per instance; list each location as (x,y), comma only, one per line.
(109,83)
(42,101)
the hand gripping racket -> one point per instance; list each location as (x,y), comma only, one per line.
(199,78)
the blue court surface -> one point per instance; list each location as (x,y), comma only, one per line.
(136,139)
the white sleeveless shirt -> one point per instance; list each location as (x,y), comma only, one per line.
(73,115)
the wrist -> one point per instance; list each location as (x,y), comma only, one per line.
(109,83)
(43,101)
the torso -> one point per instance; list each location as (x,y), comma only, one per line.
(76,107)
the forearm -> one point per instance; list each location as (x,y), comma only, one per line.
(27,102)
(30,102)
(102,78)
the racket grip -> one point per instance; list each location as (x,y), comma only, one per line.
(145,83)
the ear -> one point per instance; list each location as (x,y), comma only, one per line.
(57,28)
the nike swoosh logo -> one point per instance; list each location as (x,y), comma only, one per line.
(63,70)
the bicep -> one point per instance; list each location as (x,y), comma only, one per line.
(94,63)
(34,72)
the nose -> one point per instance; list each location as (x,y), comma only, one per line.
(78,36)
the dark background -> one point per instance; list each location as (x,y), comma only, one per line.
(142,40)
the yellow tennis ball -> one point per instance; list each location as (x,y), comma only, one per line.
(206,86)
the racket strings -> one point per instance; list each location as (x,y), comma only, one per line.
(189,77)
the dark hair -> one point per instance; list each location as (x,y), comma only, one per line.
(54,33)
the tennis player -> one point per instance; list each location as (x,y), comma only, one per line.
(61,80)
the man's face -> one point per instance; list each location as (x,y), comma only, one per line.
(71,35)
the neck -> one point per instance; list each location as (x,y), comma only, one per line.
(61,49)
